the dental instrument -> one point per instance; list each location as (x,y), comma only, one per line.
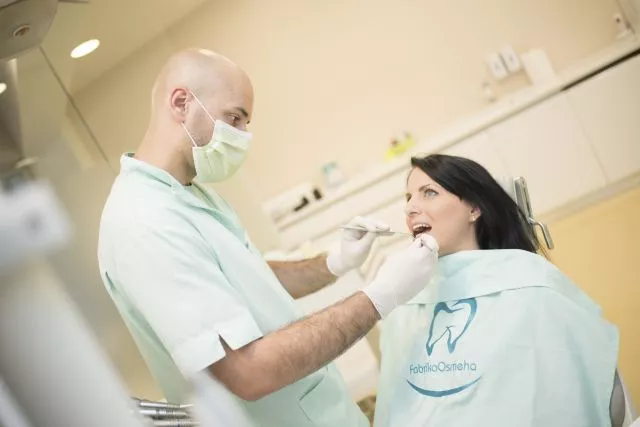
(383,233)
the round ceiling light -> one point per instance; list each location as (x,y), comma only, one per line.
(84,49)
(3,87)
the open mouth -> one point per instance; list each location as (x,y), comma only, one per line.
(419,229)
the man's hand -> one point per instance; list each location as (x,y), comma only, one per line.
(355,245)
(403,275)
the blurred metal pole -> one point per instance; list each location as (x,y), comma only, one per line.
(51,364)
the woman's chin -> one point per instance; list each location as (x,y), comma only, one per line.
(444,252)
(447,250)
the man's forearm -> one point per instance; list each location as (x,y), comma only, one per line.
(301,278)
(290,354)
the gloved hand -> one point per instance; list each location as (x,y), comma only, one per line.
(403,275)
(354,246)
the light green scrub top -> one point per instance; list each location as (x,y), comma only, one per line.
(501,338)
(183,273)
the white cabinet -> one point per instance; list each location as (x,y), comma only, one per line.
(567,147)
(546,145)
(608,109)
(394,214)
(327,220)
(479,149)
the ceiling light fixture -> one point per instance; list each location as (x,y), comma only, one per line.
(3,87)
(84,49)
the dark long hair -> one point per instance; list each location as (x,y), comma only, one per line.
(502,224)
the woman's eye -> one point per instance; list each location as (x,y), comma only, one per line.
(430,193)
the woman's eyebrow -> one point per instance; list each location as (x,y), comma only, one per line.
(426,187)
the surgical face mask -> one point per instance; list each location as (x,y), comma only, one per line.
(221,158)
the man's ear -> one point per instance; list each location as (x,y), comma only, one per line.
(178,103)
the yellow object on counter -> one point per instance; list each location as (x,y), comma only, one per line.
(399,147)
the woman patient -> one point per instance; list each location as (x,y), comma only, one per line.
(500,337)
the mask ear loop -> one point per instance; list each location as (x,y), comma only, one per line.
(203,107)
(193,141)
(206,112)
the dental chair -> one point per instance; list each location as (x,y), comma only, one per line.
(621,408)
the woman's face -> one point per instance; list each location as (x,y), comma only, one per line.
(431,209)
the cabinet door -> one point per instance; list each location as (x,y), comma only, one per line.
(479,148)
(608,108)
(546,145)
(392,214)
(339,212)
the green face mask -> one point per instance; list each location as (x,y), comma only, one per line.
(221,158)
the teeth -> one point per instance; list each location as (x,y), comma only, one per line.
(421,227)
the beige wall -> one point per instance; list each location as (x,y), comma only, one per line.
(598,249)
(335,79)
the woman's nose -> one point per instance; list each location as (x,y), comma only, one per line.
(411,209)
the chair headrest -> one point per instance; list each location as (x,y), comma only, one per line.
(506,182)
(516,187)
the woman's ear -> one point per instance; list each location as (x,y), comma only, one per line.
(474,214)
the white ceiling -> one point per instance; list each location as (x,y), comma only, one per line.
(122,26)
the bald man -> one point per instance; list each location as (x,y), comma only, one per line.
(197,295)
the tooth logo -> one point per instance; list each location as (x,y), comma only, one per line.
(450,323)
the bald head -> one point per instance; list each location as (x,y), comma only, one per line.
(201,71)
(194,88)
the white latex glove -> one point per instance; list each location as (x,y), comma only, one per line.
(355,245)
(403,275)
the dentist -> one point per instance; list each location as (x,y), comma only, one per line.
(195,293)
